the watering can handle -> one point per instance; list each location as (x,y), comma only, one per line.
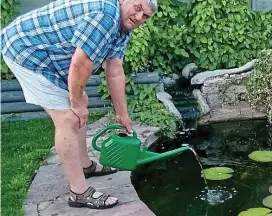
(100,133)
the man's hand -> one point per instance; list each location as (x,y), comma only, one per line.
(80,109)
(124,120)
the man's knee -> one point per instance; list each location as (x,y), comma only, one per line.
(64,120)
(69,120)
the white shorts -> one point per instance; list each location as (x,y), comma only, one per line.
(37,89)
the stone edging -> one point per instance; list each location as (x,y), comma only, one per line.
(49,190)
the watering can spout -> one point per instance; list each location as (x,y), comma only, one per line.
(147,156)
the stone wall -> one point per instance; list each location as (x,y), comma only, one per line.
(226,98)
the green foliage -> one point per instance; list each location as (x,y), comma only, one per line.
(104,91)
(143,106)
(157,45)
(9,9)
(225,34)
(136,56)
(214,34)
(260,83)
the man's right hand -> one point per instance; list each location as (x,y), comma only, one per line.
(80,109)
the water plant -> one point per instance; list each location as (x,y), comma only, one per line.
(267,201)
(256,212)
(261,156)
(217,173)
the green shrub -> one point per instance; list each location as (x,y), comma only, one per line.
(144,107)
(259,86)
(225,34)
(9,9)
(158,44)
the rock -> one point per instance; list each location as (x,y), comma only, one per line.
(204,107)
(189,70)
(168,81)
(201,77)
(165,99)
(175,76)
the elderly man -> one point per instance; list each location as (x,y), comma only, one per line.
(53,51)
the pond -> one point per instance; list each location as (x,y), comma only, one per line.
(174,187)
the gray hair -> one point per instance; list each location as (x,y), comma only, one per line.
(154,5)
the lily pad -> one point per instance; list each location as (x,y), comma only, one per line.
(261,156)
(270,189)
(267,202)
(255,212)
(217,173)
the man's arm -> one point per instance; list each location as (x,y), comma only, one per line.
(116,82)
(80,70)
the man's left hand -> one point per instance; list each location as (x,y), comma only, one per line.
(124,120)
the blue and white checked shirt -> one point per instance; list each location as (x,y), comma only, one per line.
(45,39)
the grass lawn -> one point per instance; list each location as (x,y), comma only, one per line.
(24,145)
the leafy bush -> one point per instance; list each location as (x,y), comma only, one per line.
(225,34)
(144,106)
(260,83)
(9,9)
(158,44)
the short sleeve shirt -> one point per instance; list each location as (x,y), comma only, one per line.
(45,39)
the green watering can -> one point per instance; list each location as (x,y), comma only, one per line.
(124,152)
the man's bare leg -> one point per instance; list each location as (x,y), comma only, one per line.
(83,151)
(67,146)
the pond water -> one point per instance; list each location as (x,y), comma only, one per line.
(174,187)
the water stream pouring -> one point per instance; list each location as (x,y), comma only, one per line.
(125,152)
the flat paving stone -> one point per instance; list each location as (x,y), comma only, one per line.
(112,180)
(31,210)
(49,183)
(135,208)
(54,159)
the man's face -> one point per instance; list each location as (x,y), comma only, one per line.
(134,13)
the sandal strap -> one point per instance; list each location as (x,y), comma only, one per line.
(99,201)
(106,169)
(91,169)
(89,192)
(87,197)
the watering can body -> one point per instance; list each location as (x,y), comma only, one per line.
(120,151)
(124,152)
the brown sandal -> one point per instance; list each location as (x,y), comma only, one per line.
(87,200)
(91,171)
